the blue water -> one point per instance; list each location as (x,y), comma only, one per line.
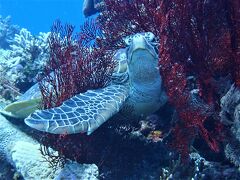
(38,15)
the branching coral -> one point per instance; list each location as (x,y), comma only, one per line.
(7,32)
(195,41)
(75,65)
(29,47)
(25,58)
(31,54)
(121,18)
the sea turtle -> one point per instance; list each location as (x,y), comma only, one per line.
(27,104)
(90,7)
(136,82)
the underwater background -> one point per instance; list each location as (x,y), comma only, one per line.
(38,15)
(73,73)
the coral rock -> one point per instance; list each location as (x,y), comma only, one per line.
(23,153)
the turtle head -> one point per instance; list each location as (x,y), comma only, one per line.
(142,58)
(147,36)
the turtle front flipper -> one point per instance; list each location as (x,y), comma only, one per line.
(82,113)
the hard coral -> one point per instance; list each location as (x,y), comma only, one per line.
(7,32)
(24,59)
(230,115)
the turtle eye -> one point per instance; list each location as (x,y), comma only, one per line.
(128,40)
(149,36)
(138,35)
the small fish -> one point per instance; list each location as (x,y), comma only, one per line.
(155,136)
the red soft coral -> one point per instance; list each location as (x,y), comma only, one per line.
(195,42)
(75,65)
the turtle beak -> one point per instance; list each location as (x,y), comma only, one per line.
(139,42)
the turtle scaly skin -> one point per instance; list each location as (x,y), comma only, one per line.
(82,113)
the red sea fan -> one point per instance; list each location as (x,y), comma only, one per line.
(169,21)
(120,18)
(199,39)
(195,41)
(75,64)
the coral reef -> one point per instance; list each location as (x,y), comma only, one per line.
(24,159)
(28,56)
(199,46)
(24,57)
(73,58)
(187,26)
(69,60)
(73,170)
(116,148)
(191,77)
(147,15)
(7,32)
(200,168)
(230,111)
(22,152)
